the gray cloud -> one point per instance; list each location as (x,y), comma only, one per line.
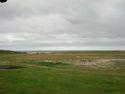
(62,25)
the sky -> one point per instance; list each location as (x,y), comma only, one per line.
(62,25)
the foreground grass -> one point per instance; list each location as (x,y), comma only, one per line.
(39,77)
(54,81)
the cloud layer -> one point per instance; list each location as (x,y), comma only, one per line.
(62,25)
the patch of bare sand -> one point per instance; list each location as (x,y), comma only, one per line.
(96,63)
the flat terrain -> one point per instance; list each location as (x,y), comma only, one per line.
(87,72)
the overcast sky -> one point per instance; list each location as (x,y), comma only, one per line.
(62,25)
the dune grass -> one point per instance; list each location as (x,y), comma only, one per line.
(41,77)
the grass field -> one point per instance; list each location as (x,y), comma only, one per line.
(89,72)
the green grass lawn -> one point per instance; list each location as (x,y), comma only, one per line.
(40,77)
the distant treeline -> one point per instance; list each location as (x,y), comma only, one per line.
(10,52)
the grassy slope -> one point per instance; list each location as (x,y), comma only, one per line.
(44,78)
